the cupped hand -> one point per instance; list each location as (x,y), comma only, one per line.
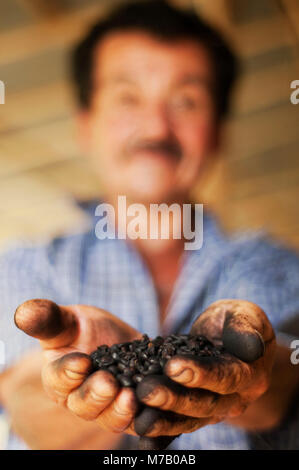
(68,334)
(197,392)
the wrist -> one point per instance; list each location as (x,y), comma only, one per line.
(5,379)
(270,409)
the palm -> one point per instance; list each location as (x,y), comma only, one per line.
(71,329)
(96,327)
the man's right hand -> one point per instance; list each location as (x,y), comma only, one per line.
(68,334)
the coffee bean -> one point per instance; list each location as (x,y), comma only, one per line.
(113,369)
(130,362)
(129,371)
(137,378)
(106,360)
(125,381)
(154,369)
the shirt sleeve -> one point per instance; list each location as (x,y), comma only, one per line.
(24,275)
(267,274)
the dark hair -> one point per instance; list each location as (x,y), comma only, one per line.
(167,23)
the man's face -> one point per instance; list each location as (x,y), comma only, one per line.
(152,120)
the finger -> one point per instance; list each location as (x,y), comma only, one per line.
(65,374)
(118,416)
(162,393)
(244,326)
(55,326)
(152,423)
(94,395)
(155,443)
(223,375)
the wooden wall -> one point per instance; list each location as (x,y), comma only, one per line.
(255,180)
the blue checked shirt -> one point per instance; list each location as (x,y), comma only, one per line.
(110,274)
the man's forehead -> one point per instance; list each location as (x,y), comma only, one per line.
(122,55)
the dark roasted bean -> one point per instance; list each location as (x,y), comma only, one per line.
(137,378)
(125,381)
(154,369)
(106,361)
(113,369)
(128,371)
(130,362)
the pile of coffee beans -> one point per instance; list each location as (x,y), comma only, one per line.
(131,362)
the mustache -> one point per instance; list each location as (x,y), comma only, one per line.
(168,146)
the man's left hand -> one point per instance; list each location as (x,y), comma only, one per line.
(197,392)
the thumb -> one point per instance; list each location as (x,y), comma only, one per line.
(54,325)
(240,338)
(242,327)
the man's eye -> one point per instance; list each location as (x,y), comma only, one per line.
(186,103)
(127,99)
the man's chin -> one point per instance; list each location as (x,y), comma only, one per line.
(152,197)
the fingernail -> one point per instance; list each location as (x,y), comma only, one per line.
(183,376)
(121,410)
(157,398)
(127,403)
(104,396)
(247,346)
(147,388)
(144,423)
(71,374)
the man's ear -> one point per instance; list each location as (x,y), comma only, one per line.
(83,128)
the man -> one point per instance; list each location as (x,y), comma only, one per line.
(153,86)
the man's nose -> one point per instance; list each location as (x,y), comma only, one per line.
(156,121)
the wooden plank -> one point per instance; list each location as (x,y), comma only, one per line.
(260,36)
(35,71)
(216,12)
(267,163)
(250,10)
(74,177)
(283,55)
(51,218)
(39,104)
(42,8)
(27,41)
(38,209)
(41,222)
(292,9)
(37,146)
(263,88)
(271,210)
(263,131)
(13,16)
(272,183)
(249,40)
(22,191)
